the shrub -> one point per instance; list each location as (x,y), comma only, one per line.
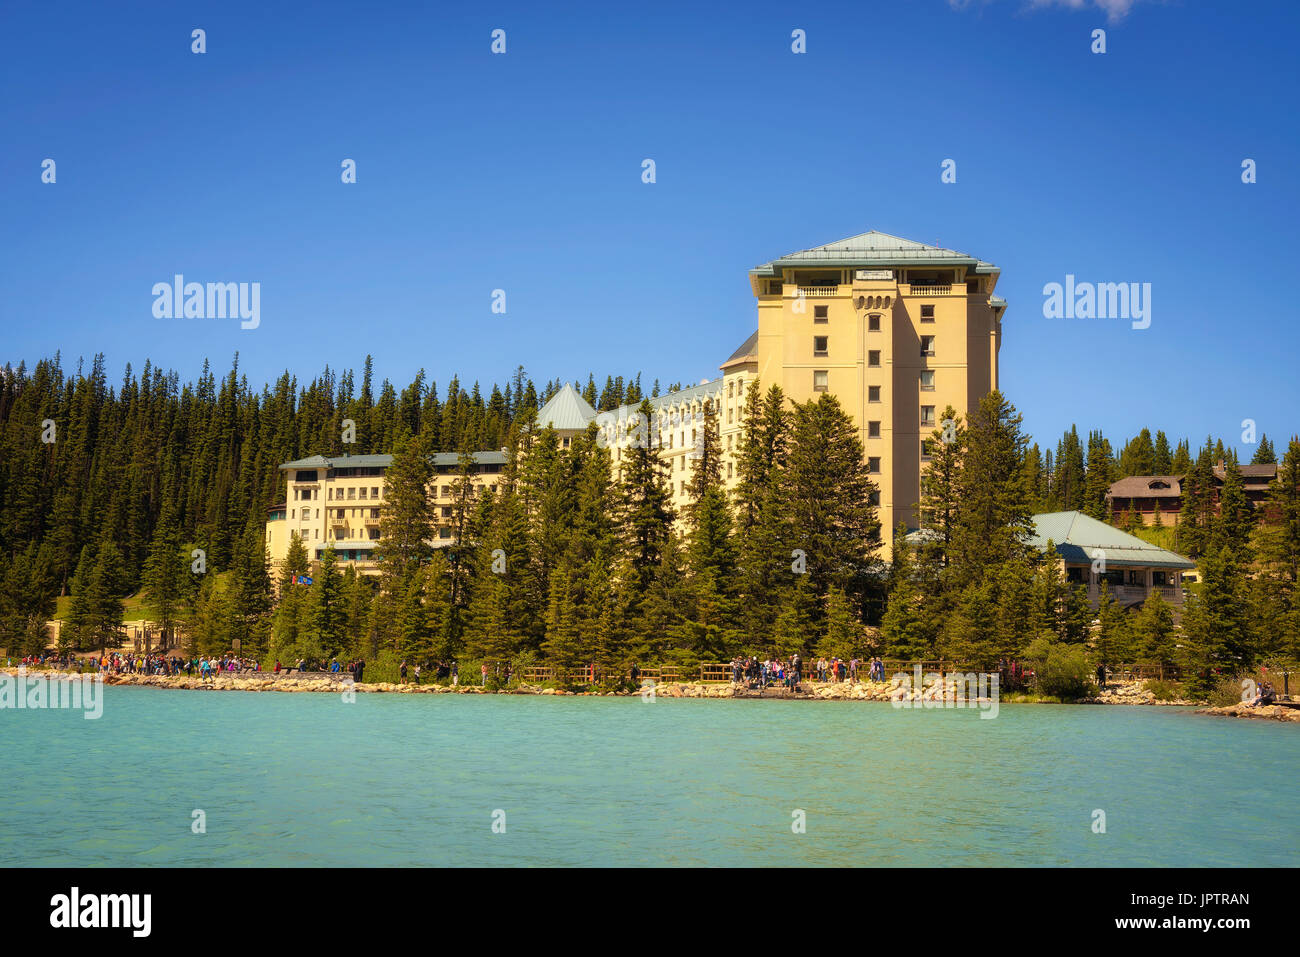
(1226,691)
(1062,670)
(1165,690)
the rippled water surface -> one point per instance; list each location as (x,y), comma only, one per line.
(306,779)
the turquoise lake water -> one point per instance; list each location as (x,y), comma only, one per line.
(306,779)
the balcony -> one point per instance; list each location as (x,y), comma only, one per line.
(809,292)
(1132,594)
(923,289)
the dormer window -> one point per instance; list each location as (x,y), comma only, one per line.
(1158,484)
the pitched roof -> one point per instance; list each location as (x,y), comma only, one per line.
(1139,486)
(341,462)
(1250,474)
(745,350)
(567,409)
(1077,538)
(478,458)
(874,248)
(383,461)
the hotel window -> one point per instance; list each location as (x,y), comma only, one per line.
(873,393)
(821,345)
(873,358)
(730,387)
(874,498)
(925,449)
(683,488)
(731,469)
(927,415)
(873,430)
(927,313)
(1160,579)
(352,494)
(374,491)
(820,380)
(819,313)
(446,491)
(444,533)
(731,414)
(363,493)
(927,345)
(927,380)
(873,464)
(446,511)
(873,323)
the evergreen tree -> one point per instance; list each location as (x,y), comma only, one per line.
(406,525)
(829,501)
(1154,634)
(323,636)
(1099,474)
(903,626)
(1162,458)
(164,580)
(994,521)
(1264,454)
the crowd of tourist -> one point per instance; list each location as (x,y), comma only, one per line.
(441,670)
(788,673)
(134,663)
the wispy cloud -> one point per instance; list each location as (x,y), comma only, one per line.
(1115,10)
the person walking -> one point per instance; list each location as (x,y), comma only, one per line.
(455,673)
(483,672)
(417,674)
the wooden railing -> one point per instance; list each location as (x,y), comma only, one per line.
(721,671)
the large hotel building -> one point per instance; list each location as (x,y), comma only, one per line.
(897,330)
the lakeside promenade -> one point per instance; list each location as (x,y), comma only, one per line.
(1131,692)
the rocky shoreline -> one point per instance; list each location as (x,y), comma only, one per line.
(1269,712)
(1127,693)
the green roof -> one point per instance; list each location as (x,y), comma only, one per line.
(383,461)
(1077,536)
(341,462)
(874,249)
(567,409)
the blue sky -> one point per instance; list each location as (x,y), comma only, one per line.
(523,172)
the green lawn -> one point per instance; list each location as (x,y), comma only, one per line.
(135,607)
(1161,536)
